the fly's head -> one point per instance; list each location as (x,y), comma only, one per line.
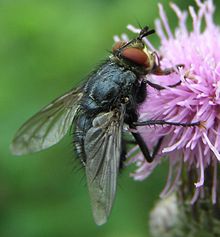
(134,55)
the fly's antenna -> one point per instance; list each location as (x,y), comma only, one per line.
(145,32)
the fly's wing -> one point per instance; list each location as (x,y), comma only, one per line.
(103,144)
(48,126)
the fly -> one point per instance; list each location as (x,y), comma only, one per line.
(99,109)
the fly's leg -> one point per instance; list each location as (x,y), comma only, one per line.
(163,72)
(157,147)
(123,154)
(142,146)
(149,157)
(167,71)
(163,122)
(159,87)
(144,149)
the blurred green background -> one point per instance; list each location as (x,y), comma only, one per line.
(46,48)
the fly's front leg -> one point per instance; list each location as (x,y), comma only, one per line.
(166,71)
(163,72)
(159,87)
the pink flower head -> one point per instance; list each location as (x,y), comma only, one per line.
(197,98)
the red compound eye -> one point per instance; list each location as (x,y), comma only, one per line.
(135,55)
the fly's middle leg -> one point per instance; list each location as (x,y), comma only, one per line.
(149,156)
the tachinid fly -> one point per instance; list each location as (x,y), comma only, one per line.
(99,109)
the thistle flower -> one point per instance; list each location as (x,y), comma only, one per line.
(197,98)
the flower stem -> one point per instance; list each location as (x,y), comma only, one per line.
(187,214)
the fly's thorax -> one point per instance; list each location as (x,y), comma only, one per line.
(134,56)
(108,87)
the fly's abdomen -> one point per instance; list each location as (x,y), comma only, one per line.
(83,124)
